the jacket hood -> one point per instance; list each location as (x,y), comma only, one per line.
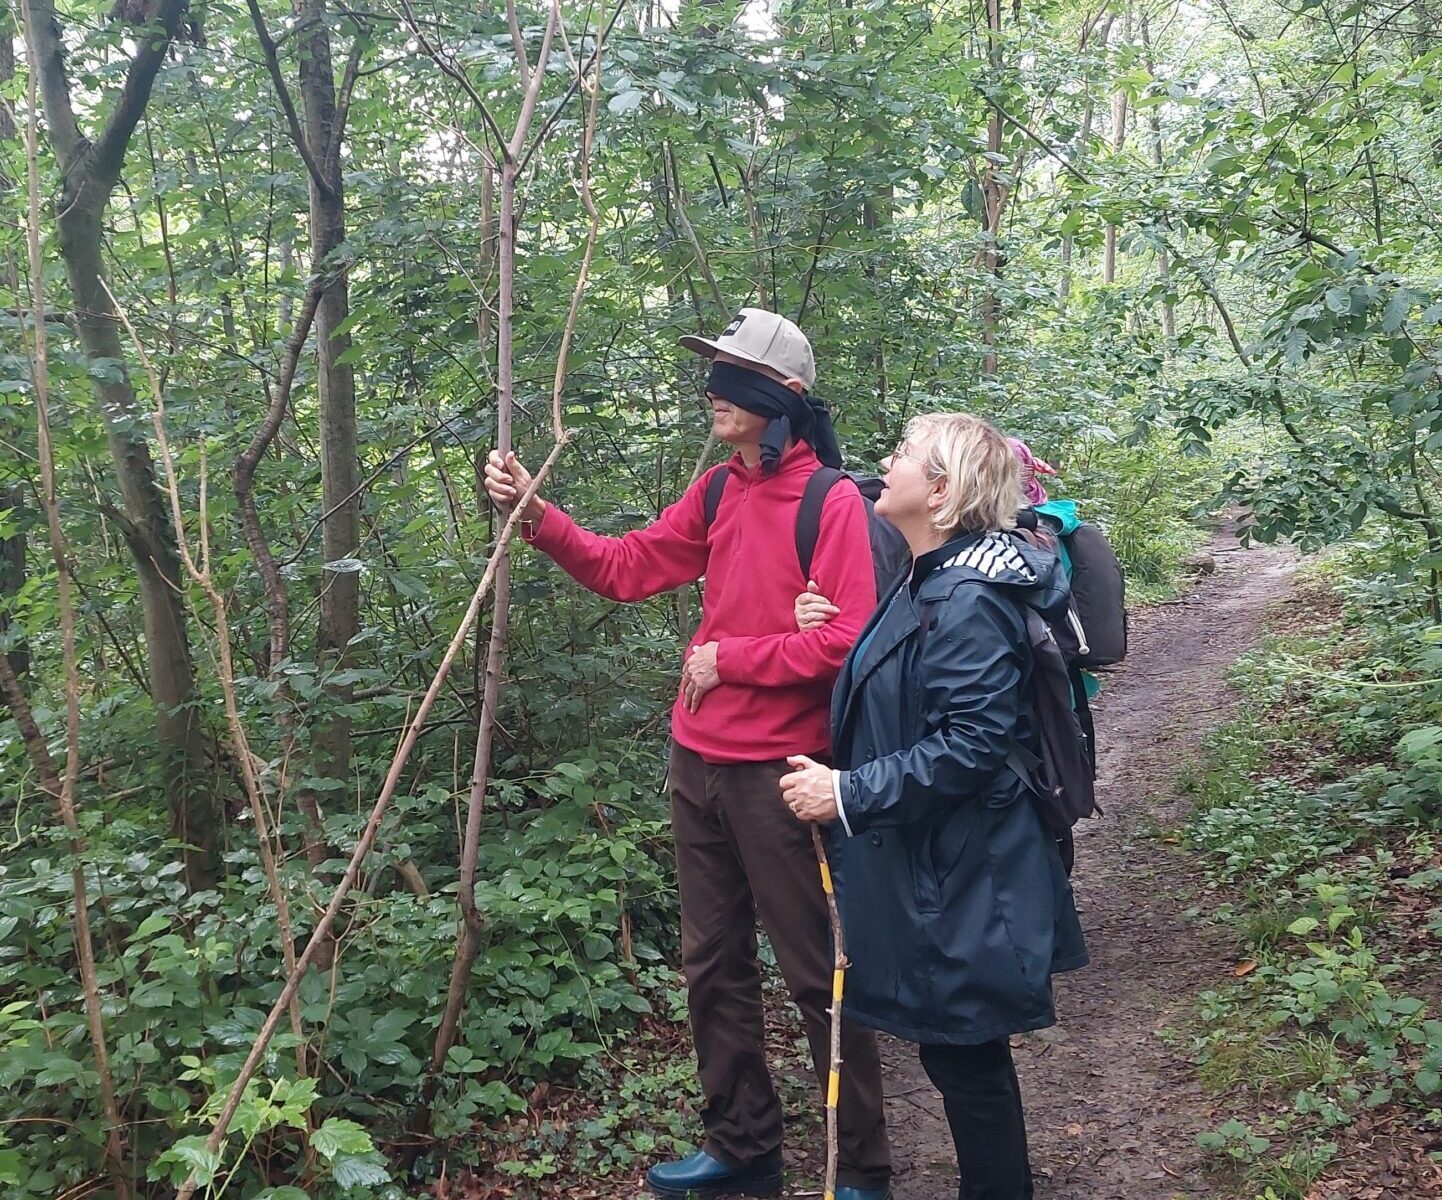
(1035,576)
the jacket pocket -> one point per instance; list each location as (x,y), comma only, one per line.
(949,839)
(923,867)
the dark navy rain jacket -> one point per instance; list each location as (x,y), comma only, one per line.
(954,903)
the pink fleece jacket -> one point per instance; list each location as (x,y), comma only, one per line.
(775,690)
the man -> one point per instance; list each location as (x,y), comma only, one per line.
(754,690)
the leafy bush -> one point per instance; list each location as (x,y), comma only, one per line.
(192,976)
(1316,805)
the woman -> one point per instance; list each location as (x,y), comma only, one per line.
(955,906)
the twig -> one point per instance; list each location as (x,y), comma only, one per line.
(63,789)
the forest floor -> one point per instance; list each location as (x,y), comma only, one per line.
(1113,1109)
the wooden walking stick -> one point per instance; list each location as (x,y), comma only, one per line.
(838,983)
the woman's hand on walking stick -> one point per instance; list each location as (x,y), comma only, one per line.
(808,791)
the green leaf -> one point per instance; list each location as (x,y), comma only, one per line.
(191,1155)
(1398,306)
(1339,299)
(354,1171)
(1303,925)
(152,925)
(624,102)
(339,1136)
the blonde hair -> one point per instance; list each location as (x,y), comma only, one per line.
(983,476)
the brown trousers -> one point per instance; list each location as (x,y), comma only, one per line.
(740,854)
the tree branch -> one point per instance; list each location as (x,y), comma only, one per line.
(454,72)
(282,93)
(1320,239)
(688,230)
(343,103)
(535,81)
(243,477)
(1026,130)
(321,933)
(43,34)
(555,114)
(518,48)
(108,154)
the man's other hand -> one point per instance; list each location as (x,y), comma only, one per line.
(699,675)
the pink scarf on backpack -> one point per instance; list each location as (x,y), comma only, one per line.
(1031,467)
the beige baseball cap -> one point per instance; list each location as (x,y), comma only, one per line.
(765,338)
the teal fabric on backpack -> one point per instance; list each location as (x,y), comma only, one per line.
(1063,511)
(1063,515)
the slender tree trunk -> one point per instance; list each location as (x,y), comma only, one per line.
(12,574)
(875,217)
(340,466)
(195,815)
(62,789)
(512,163)
(1119,142)
(993,193)
(1084,140)
(1167,307)
(12,492)
(91,171)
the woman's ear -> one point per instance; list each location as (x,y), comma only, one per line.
(939,489)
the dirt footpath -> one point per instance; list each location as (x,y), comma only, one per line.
(1113,1112)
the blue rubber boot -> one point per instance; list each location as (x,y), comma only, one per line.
(856,1193)
(700,1177)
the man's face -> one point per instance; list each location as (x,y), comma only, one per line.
(733,424)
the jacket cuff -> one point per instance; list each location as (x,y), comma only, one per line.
(731,660)
(537,533)
(838,786)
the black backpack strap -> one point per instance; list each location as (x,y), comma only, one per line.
(1023,763)
(714,487)
(808,519)
(1084,713)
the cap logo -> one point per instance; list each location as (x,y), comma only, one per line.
(736,324)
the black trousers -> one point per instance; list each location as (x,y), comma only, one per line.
(979,1087)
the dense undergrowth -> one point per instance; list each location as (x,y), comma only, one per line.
(1318,823)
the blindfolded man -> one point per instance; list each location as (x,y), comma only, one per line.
(754,690)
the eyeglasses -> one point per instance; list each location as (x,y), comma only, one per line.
(902,452)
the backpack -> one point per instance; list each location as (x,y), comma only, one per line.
(890,554)
(1098,589)
(1073,639)
(1062,777)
